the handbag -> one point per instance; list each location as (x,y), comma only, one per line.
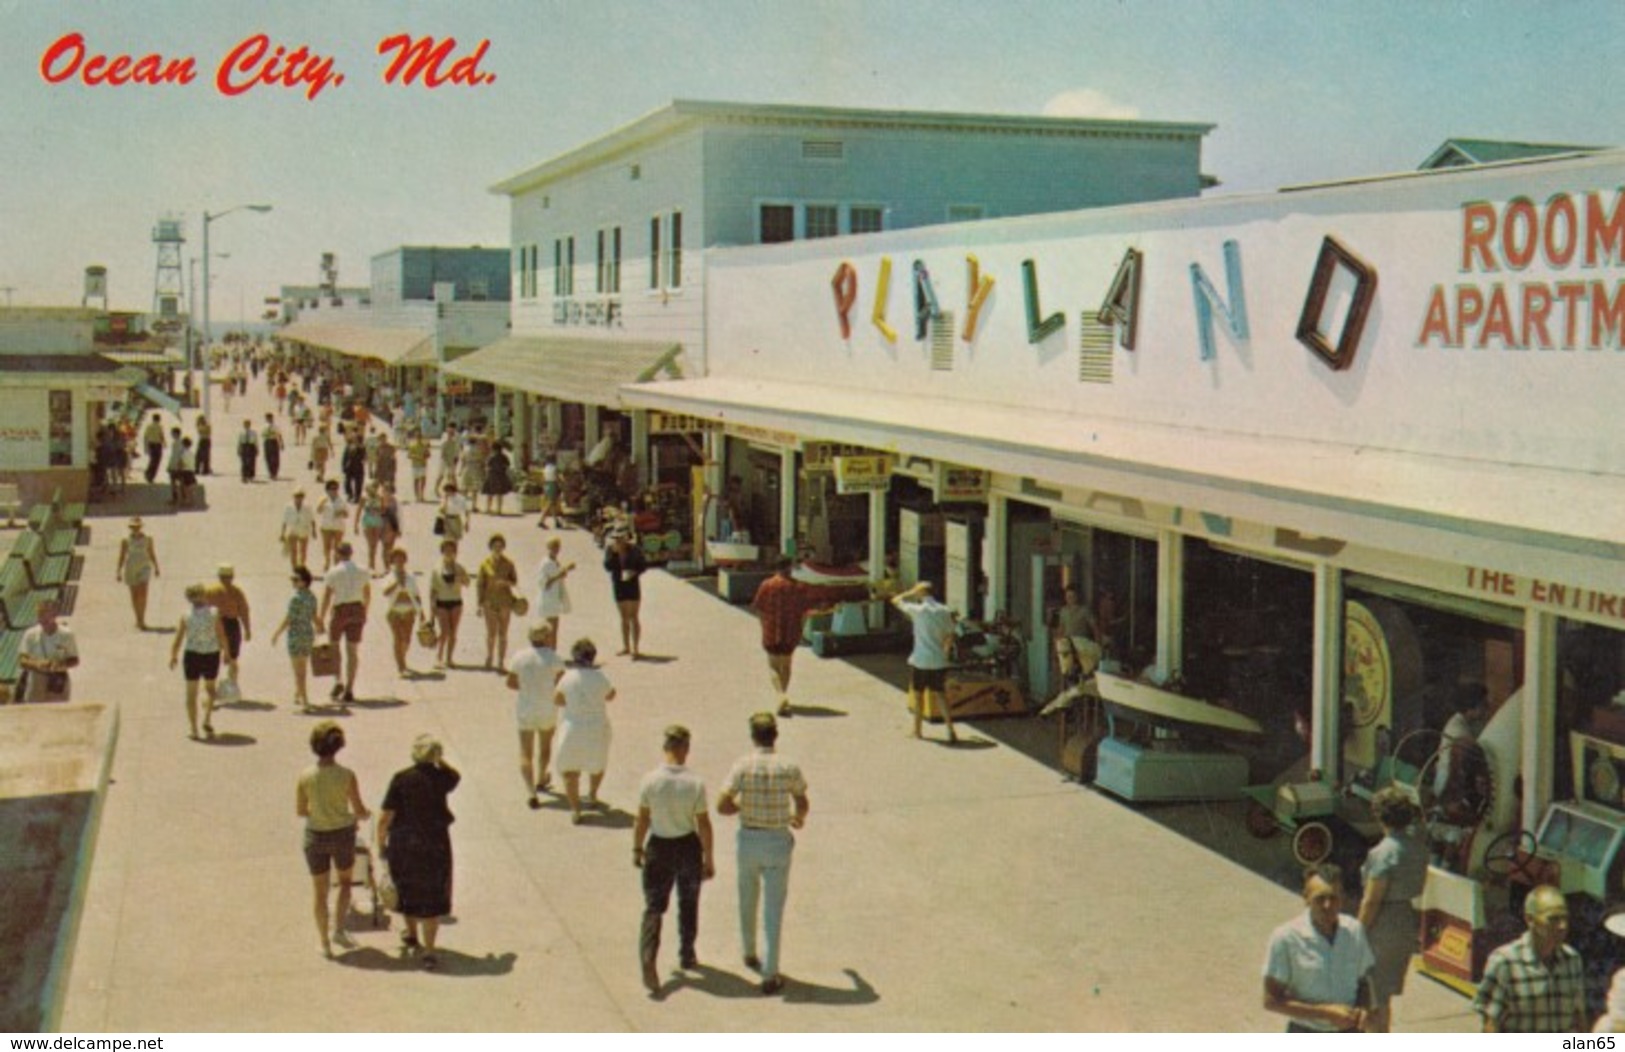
(439,525)
(521,605)
(428,638)
(389,896)
(324,659)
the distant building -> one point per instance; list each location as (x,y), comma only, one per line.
(610,238)
(426,305)
(57,387)
(1458,153)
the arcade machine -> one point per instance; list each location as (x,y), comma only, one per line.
(1578,846)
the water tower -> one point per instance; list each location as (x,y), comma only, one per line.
(166,286)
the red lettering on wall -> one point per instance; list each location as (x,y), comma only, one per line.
(1497,320)
(1477,233)
(1605,236)
(1518,233)
(1469,311)
(1560,213)
(1607,319)
(1437,321)
(1537,306)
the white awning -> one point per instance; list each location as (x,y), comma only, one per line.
(1563,523)
(571,369)
(390,346)
(158,398)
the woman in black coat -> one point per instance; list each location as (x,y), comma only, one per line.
(414,836)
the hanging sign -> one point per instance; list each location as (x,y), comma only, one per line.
(818,458)
(868,474)
(661,423)
(957,483)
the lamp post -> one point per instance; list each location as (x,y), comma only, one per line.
(208,335)
(193,355)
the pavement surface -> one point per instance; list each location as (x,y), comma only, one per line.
(933,889)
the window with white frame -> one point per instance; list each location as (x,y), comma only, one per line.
(674,253)
(822,221)
(609,260)
(788,221)
(564,264)
(654,252)
(865,219)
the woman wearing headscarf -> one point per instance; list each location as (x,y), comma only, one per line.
(414,836)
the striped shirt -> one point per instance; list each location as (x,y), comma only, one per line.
(765,786)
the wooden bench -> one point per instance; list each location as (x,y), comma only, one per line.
(45,570)
(11,498)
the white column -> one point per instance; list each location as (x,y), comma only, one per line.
(1326,696)
(787,503)
(640,446)
(997,564)
(590,424)
(1170,602)
(877,535)
(1539,713)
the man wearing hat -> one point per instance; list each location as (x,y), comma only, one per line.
(769,795)
(671,843)
(232,605)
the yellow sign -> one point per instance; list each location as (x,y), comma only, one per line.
(862,474)
(661,423)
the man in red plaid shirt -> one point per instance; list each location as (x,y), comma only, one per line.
(783,603)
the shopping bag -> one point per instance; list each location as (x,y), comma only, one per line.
(324,659)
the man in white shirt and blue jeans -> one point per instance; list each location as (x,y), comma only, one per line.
(928,662)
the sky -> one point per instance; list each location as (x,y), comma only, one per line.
(1300,92)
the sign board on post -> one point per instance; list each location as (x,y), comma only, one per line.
(869,474)
(958,483)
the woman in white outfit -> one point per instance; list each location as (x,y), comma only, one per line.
(583,695)
(554,598)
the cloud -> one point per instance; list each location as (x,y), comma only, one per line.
(1090,103)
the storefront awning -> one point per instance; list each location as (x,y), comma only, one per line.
(158,357)
(1462,511)
(158,398)
(388,346)
(592,372)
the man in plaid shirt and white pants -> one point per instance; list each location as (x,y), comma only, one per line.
(769,795)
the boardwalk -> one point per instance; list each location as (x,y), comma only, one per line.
(933,888)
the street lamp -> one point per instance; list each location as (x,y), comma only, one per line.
(193,355)
(208,335)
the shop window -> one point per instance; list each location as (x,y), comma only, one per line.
(1412,659)
(61,429)
(1590,676)
(1249,646)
